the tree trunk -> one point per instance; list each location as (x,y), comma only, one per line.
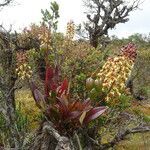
(7,83)
(94,41)
(41,68)
(8,99)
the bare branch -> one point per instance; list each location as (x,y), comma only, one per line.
(106,14)
(5,2)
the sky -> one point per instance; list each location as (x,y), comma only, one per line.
(24,12)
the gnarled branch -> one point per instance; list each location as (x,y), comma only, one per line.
(5,2)
(106,14)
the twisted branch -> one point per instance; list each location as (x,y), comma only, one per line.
(5,3)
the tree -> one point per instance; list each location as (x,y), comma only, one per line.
(50,17)
(7,85)
(103,15)
(5,2)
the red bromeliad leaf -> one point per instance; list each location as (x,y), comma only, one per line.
(63,108)
(94,113)
(56,73)
(48,79)
(53,113)
(72,106)
(40,100)
(74,115)
(52,86)
(38,96)
(49,73)
(63,100)
(63,89)
(80,106)
(70,110)
(33,87)
(51,80)
(77,105)
(47,90)
(87,104)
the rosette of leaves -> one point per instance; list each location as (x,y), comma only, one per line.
(66,115)
(111,79)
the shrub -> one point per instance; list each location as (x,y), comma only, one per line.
(74,57)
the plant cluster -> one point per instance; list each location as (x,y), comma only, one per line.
(73,56)
(23,69)
(111,79)
(66,114)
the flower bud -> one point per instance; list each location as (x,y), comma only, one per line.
(98,83)
(89,83)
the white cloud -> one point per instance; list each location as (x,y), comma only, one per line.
(25,12)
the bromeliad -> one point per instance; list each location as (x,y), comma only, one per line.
(67,115)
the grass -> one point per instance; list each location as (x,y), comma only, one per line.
(25,100)
(139,141)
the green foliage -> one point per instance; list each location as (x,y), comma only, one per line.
(2,122)
(51,18)
(22,120)
(124,101)
(141,73)
(78,63)
(21,124)
(80,84)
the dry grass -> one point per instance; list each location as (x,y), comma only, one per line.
(140,141)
